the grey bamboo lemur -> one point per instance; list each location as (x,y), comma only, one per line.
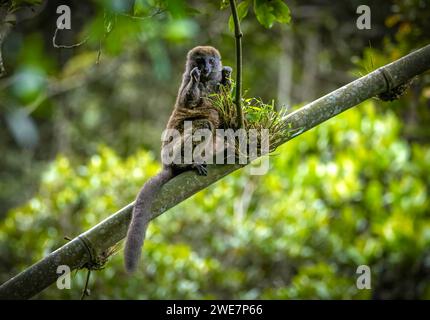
(203,75)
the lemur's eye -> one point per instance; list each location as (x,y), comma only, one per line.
(212,61)
(199,60)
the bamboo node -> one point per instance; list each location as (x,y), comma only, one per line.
(392,92)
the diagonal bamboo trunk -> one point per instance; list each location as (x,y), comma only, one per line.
(90,245)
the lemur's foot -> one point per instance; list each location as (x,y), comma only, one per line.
(201,168)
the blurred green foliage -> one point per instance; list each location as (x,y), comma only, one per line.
(347,193)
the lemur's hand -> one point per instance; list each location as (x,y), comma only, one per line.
(195,74)
(226,71)
(226,74)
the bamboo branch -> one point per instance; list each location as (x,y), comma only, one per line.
(91,244)
(238,36)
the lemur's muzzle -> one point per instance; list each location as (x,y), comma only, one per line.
(206,72)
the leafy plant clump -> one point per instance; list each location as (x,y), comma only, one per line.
(257,115)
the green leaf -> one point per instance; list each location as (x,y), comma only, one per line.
(264,12)
(140,8)
(282,12)
(268,12)
(242,11)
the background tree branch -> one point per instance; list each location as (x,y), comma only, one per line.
(92,244)
(5,27)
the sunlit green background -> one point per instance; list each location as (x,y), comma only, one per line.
(80,133)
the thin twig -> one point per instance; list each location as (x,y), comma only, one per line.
(63,46)
(86,291)
(238,35)
(99,52)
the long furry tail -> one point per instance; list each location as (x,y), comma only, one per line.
(141,217)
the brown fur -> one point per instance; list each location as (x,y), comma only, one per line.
(203,109)
(191,105)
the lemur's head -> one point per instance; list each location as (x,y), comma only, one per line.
(207,59)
